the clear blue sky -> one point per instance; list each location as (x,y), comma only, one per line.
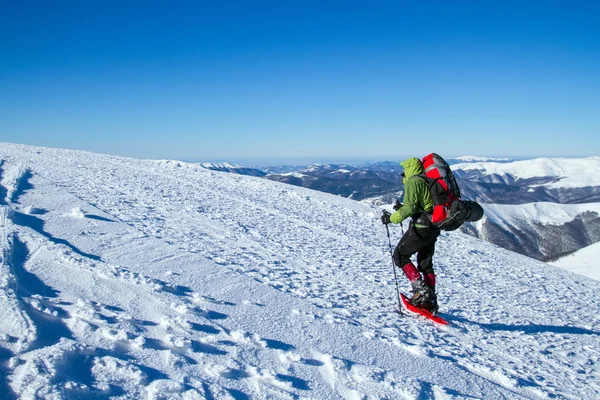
(225,80)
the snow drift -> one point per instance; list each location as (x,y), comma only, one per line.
(161,279)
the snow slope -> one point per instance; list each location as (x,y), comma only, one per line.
(585,261)
(571,172)
(156,279)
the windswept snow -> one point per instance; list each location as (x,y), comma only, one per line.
(143,279)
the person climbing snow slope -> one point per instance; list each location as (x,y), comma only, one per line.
(420,238)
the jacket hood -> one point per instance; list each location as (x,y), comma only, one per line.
(413,166)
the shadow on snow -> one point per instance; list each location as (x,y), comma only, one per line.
(528,329)
(37,224)
(5,389)
(78,367)
(22,186)
(50,328)
(3,191)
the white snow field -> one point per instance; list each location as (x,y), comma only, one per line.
(124,278)
(584,261)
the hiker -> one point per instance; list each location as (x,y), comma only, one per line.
(420,237)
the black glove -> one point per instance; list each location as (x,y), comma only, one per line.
(385,218)
(397,205)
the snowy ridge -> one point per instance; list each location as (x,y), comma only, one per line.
(472,159)
(223,165)
(147,279)
(571,172)
(294,174)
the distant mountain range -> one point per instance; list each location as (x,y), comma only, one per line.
(354,182)
(544,208)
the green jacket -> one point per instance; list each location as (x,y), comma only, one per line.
(417,196)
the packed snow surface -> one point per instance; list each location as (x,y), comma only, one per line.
(133,278)
(570,172)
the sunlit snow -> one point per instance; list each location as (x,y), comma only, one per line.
(161,279)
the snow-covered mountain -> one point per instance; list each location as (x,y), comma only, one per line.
(552,173)
(236,169)
(355,182)
(557,180)
(477,159)
(543,208)
(160,279)
(544,231)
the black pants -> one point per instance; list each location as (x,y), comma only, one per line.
(420,241)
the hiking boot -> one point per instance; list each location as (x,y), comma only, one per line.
(430,305)
(424,296)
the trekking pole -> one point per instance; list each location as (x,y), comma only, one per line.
(393,265)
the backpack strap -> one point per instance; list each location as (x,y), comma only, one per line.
(424,216)
(429,181)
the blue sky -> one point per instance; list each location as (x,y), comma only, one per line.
(233,80)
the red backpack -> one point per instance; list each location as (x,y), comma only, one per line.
(449,211)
